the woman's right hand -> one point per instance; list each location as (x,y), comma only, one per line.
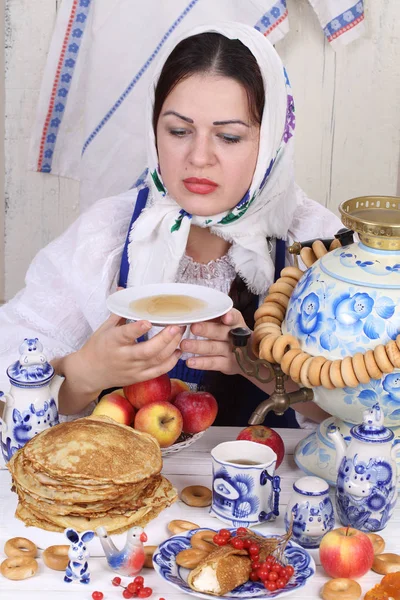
(111,357)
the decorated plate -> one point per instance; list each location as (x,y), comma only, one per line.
(169,303)
(165,564)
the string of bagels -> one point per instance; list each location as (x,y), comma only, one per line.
(270,344)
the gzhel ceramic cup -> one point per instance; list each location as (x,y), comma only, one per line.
(245,490)
(311,510)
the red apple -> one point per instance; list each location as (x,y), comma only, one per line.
(162,420)
(177,386)
(346,552)
(152,390)
(117,407)
(198,409)
(268,437)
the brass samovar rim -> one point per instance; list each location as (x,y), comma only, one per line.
(374,232)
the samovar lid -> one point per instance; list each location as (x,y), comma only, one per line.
(372,428)
(32,368)
(376,219)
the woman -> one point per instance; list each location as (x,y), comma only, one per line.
(220,189)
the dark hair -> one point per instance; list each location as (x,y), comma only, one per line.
(212,53)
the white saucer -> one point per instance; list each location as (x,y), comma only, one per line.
(216,303)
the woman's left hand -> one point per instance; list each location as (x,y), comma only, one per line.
(215,352)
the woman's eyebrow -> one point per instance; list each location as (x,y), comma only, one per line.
(230,122)
(172,112)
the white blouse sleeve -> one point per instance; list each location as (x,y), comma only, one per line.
(67,283)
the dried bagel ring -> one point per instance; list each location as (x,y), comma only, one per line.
(295,367)
(196,495)
(326,381)
(348,373)
(382,359)
(148,556)
(393,353)
(56,557)
(266,345)
(336,375)
(18,567)
(268,319)
(304,372)
(20,546)
(279,298)
(292,282)
(203,540)
(191,557)
(360,369)
(281,287)
(308,257)
(178,526)
(319,249)
(262,331)
(371,365)
(341,588)
(378,542)
(293,272)
(282,345)
(335,244)
(270,309)
(267,326)
(397,340)
(288,358)
(386,563)
(314,371)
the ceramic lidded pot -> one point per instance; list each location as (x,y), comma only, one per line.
(311,509)
(366,490)
(31,405)
(348,303)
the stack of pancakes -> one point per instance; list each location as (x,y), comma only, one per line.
(89,473)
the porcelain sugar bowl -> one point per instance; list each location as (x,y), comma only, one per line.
(311,510)
(366,489)
(31,405)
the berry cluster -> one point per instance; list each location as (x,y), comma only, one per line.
(272,574)
(135,589)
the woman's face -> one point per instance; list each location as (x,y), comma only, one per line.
(207,144)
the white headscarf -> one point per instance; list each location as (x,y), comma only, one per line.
(158,238)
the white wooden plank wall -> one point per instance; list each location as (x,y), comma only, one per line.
(348,119)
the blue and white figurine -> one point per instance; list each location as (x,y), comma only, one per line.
(31,405)
(78,554)
(311,510)
(366,490)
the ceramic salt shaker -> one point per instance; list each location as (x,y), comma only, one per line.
(311,510)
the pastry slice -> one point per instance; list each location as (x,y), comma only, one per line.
(221,571)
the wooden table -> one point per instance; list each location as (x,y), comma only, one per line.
(191,466)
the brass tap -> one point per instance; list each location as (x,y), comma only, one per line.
(280,400)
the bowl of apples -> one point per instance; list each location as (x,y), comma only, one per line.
(165,408)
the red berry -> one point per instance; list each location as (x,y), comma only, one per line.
(116,581)
(139,580)
(272,576)
(237,543)
(224,533)
(133,588)
(145,592)
(281,583)
(270,585)
(97,595)
(219,540)
(256,565)
(241,531)
(263,573)
(254,576)
(254,549)
(277,568)
(289,571)
(127,594)
(255,558)
(246,543)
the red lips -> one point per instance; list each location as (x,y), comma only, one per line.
(200,186)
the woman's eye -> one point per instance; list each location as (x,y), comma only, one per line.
(178,132)
(230,139)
